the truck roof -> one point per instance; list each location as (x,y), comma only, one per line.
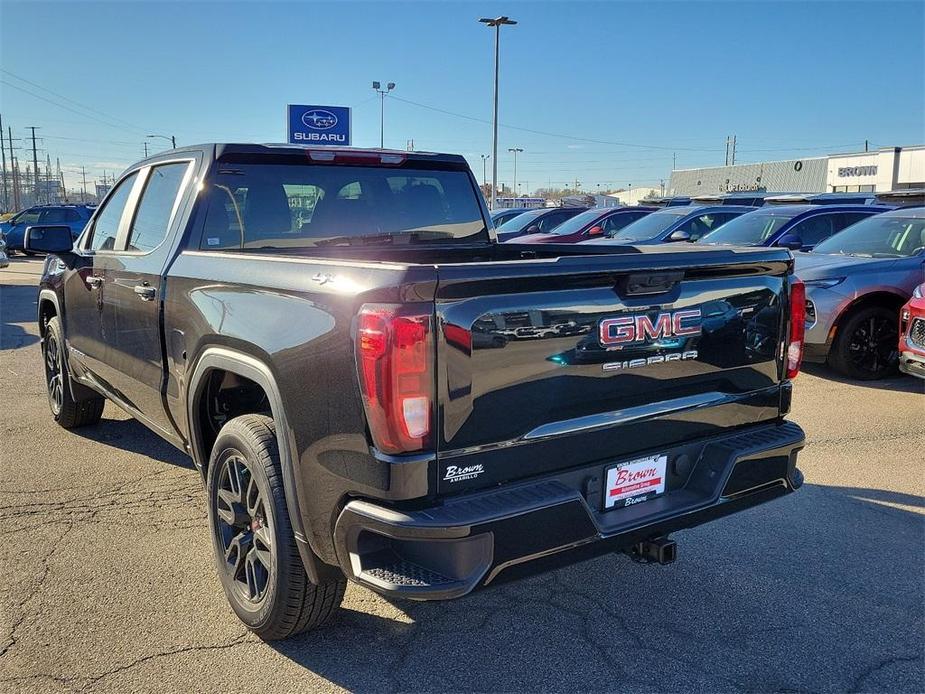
(224,149)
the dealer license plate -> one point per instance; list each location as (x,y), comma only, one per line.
(635,481)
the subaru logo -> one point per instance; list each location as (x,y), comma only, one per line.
(319,119)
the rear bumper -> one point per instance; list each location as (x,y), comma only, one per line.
(480,539)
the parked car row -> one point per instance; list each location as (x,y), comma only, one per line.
(865,261)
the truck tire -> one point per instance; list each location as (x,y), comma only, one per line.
(866,345)
(255,550)
(67,411)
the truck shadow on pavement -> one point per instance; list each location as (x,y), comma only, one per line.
(17,308)
(820,590)
(899,383)
(133,436)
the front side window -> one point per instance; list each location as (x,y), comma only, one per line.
(878,237)
(651,225)
(813,230)
(750,229)
(106,226)
(27,217)
(152,219)
(317,205)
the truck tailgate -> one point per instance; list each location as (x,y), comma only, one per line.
(549,364)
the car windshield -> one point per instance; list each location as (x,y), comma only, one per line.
(651,225)
(878,237)
(576,223)
(26,217)
(317,205)
(750,229)
(520,222)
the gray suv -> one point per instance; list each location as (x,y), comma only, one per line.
(856,281)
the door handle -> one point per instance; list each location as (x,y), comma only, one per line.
(94,281)
(145,292)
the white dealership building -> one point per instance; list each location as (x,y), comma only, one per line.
(882,170)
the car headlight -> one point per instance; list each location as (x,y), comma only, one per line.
(824,283)
(917,292)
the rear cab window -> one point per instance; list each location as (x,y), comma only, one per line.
(313,205)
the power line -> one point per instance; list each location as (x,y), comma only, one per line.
(68,99)
(67,108)
(550,134)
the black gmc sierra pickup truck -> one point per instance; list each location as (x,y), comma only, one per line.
(374,389)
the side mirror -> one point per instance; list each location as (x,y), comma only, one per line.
(791,241)
(48,239)
(532,229)
(679,235)
(596,231)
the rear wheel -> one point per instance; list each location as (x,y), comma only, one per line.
(67,411)
(255,550)
(866,346)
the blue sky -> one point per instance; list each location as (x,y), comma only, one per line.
(619,86)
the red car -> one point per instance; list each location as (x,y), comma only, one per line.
(597,222)
(912,334)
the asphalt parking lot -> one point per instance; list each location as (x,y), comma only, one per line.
(108,582)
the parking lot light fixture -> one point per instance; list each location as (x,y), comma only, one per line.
(515,151)
(170,138)
(497,23)
(382,92)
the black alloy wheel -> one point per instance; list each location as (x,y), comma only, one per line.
(54,377)
(866,346)
(245,528)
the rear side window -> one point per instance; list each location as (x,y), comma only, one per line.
(106,226)
(156,206)
(317,205)
(616,222)
(55,215)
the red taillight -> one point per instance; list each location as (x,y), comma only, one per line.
(396,378)
(797,327)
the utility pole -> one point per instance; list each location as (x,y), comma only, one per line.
(497,23)
(146,148)
(83,173)
(35,166)
(17,196)
(865,145)
(515,151)
(674,161)
(6,192)
(382,92)
(733,150)
(485,158)
(727,151)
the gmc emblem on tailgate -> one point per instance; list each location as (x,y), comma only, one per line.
(623,330)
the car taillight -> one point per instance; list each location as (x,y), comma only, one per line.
(396,377)
(797,327)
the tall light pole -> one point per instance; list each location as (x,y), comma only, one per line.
(514,151)
(497,23)
(170,138)
(382,92)
(485,158)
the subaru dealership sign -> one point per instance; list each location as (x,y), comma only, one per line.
(318,125)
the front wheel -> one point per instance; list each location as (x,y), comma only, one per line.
(866,346)
(255,549)
(67,411)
